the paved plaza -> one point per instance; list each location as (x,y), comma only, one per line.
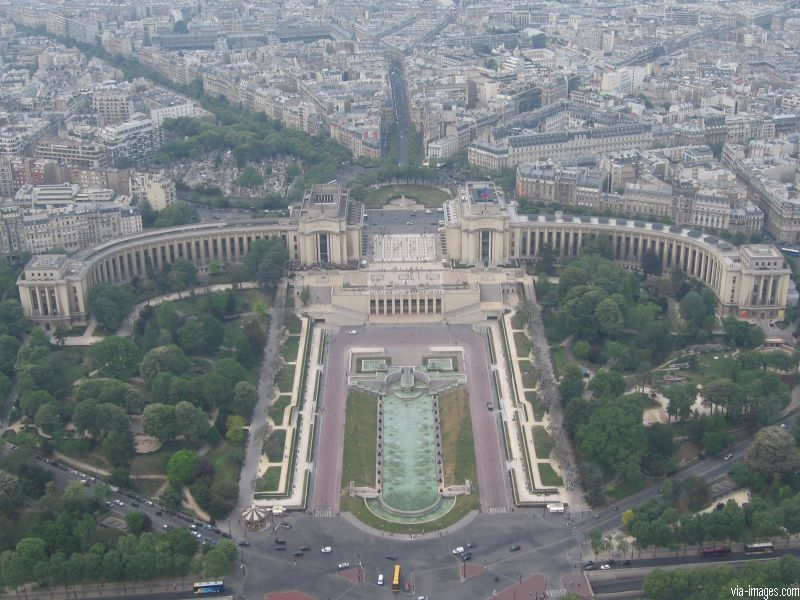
(403,247)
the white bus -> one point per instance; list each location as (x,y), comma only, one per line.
(555,507)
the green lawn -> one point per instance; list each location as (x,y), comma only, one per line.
(548,475)
(427,196)
(284,379)
(270,480)
(519,320)
(560,360)
(278,409)
(542,442)
(528,374)
(360,439)
(290,347)
(458,447)
(536,405)
(154,463)
(523,344)
(463,505)
(274,445)
(292,322)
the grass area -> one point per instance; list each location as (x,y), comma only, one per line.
(284,379)
(147,487)
(292,322)
(275,444)
(553,329)
(278,409)
(528,374)
(542,442)
(560,360)
(548,475)
(360,439)
(270,480)
(154,463)
(519,320)
(77,330)
(358,508)
(80,449)
(458,446)
(523,344)
(290,347)
(625,488)
(427,196)
(536,405)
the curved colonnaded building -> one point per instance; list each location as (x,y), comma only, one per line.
(480,229)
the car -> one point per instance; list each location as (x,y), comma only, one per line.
(279,547)
(605,567)
(343,565)
(612,562)
(166,526)
(472,545)
(198,535)
(304,548)
(783,425)
(326,550)
(489,406)
(285,525)
(514,548)
(588,563)
(466,556)
(728,456)
(134,504)
(193,526)
(119,502)
(660,490)
(159,513)
(280,541)
(352,332)
(391,557)
(459,550)
(380,579)
(626,562)
(149,502)
(297,553)
(244,543)
(109,504)
(409,223)
(590,568)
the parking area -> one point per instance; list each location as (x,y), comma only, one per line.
(402,221)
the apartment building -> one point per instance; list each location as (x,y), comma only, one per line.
(112,106)
(74,152)
(156,189)
(135,140)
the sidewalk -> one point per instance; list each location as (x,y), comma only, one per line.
(101,591)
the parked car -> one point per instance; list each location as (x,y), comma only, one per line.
(514,548)
(297,553)
(459,550)
(605,567)
(327,550)
(344,565)
(280,541)
(244,543)
(380,579)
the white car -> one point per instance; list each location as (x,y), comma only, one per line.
(327,550)
(728,456)
(380,579)
(119,503)
(352,332)
(605,567)
(459,550)
(344,565)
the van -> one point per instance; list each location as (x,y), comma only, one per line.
(380,579)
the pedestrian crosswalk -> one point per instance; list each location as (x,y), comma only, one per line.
(556,592)
(497,510)
(578,535)
(323,513)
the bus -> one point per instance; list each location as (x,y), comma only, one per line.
(208,587)
(555,507)
(791,252)
(396,579)
(717,550)
(758,548)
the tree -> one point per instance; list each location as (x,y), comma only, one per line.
(694,309)
(118,356)
(609,317)
(698,493)
(182,466)
(305,295)
(191,421)
(773,452)
(110,304)
(245,397)
(11,492)
(235,429)
(9,347)
(581,349)
(191,337)
(158,420)
(217,561)
(170,359)
(652,263)
(250,178)
(12,319)
(117,447)
(176,214)
(607,384)
(32,401)
(612,433)
(213,333)
(137,522)
(48,419)
(681,400)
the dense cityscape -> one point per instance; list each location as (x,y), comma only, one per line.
(305,300)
